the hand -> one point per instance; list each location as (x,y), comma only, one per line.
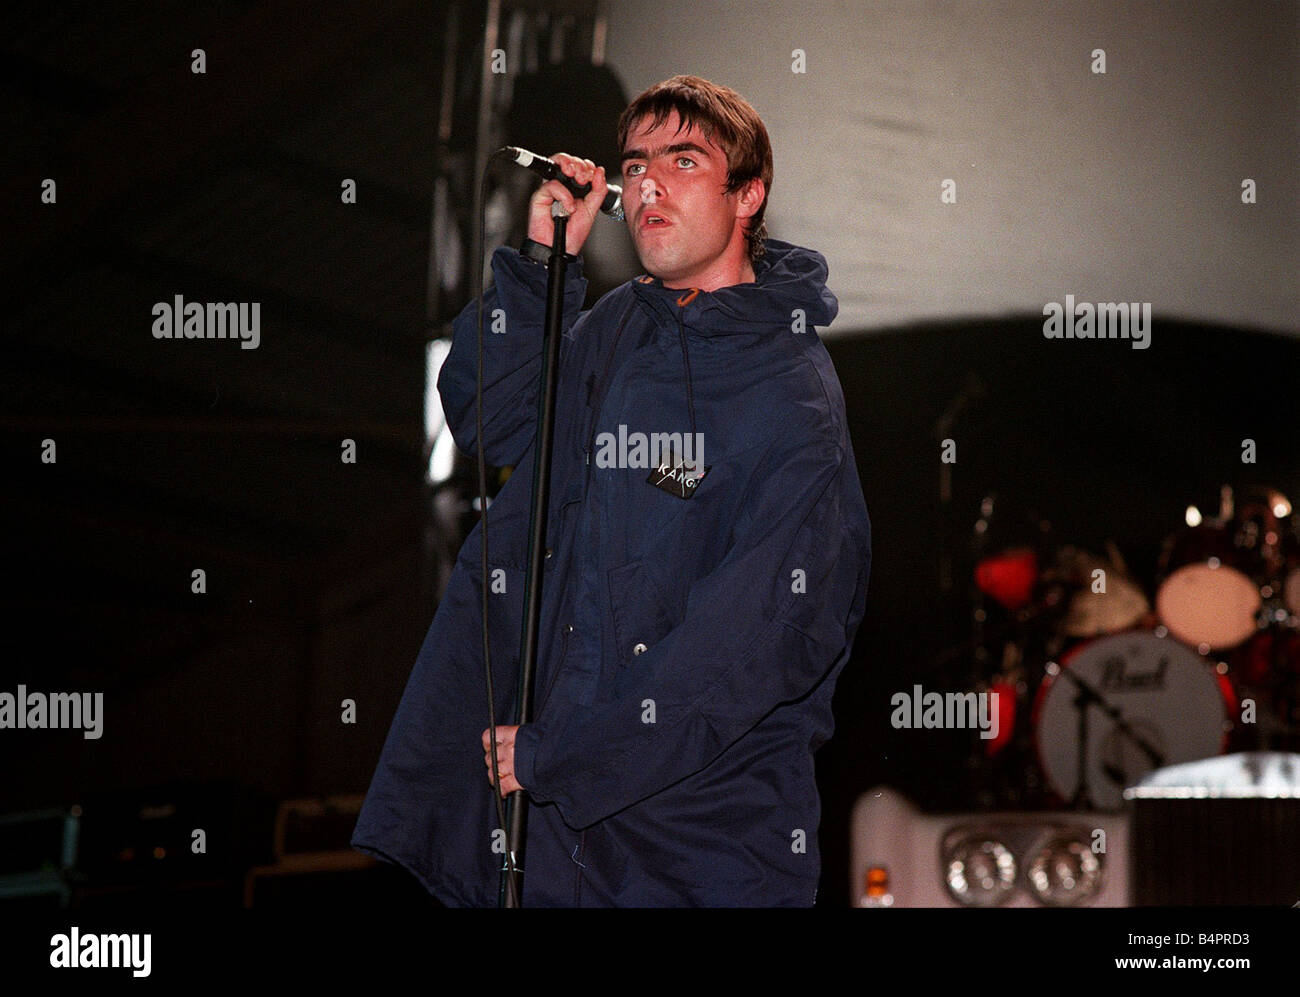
(505,755)
(582,214)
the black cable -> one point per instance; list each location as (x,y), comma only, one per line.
(512,878)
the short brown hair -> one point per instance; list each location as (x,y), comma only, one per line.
(728,121)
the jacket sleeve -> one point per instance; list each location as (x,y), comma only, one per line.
(763,628)
(512,358)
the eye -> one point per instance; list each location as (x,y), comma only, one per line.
(630,168)
(685,159)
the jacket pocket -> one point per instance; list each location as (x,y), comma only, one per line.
(640,613)
(565,631)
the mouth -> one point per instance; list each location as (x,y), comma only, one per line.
(653,220)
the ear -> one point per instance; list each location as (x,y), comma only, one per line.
(750,198)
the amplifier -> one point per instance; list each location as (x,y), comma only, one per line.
(1216,832)
(904,858)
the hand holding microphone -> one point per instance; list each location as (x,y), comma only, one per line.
(579,185)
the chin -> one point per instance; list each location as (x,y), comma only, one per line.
(665,267)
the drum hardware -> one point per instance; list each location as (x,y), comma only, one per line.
(1258,529)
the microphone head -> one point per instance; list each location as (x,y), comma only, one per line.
(615,210)
(521,157)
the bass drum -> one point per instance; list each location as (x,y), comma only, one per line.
(1175,703)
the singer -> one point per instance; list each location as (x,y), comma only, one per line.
(691,638)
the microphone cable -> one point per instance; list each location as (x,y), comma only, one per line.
(477,250)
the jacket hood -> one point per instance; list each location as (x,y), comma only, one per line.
(788,277)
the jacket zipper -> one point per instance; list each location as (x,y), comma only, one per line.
(690,387)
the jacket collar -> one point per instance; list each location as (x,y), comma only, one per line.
(786,278)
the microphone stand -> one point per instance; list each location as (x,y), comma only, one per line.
(1088,694)
(511,894)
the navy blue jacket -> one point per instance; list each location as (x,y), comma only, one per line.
(689,647)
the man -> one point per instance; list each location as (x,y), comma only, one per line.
(698,602)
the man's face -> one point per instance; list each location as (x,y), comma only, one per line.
(681,178)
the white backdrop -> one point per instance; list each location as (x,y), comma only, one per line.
(1117,187)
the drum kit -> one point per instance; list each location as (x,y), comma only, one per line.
(1098,685)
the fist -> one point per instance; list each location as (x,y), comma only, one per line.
(505,757)
(582,213)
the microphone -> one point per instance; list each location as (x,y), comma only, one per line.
(613,204)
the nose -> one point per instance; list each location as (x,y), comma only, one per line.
(653,187)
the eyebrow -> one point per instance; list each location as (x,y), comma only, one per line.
(679,147)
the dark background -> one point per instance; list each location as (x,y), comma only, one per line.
(322,576)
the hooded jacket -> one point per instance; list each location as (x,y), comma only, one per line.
(689,646)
